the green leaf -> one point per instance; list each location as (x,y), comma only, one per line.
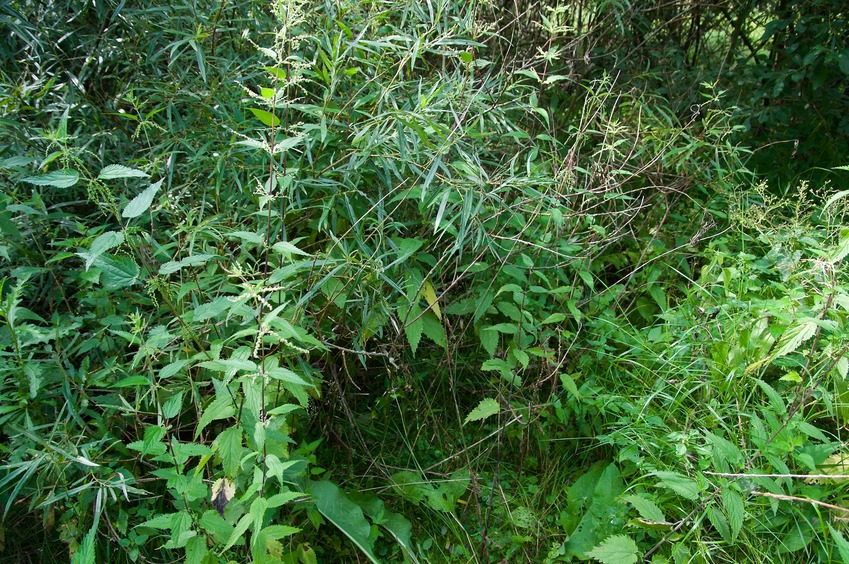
(196,550)
(617,549)
(120,171)
(163,521)
(85,552)
(267,118)
(103,243)
(841,543)
(64,178)
(794,336)
(230,449)
(117,271)
(486,408)
(172,406)
(734,509)
(344,513)
(192,260)
(680,484)
(433,329)
(221,408)
(413,324)
(142,202)
(489,340)
(554,318)
(287,249)
(646,508)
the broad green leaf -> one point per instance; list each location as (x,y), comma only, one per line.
(409,315)
(163,521)
(680,484)
(196,550)
(220,408)
(554,318)
(103,243)
(172,405)
(719,522)
(489,340)
(120,171)
(433,329)
(117,271)
(734,509)
(230,449)
(142,202)
(794,336)
(286,248)
(214,308)
(486,408)
(64,178)
(840,542)
(224,365)
(345,514)
(647,509)
(616,549)
(279,531)
(193,260)
(85,552)
(286,375)
(267,118)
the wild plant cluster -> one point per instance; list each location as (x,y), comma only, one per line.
(418,281)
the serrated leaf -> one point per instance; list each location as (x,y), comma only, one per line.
(680,484)
(647,509)
(172,406)
(734,509)
(287,248)
(192,260)
(120,171)
(221,408)
(433,329)
(267,118)
(616,549)
(64,178)
(841,543)
(141,203)
(489,340)
(553,318)
(794,336)
(103,243)
(430,297)
(118,271)
(230,449)
(413,325)
(717,519)
(486,408)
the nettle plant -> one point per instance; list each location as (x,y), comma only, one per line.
(732,427)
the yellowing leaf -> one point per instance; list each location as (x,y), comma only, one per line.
(430,297)
(222,492)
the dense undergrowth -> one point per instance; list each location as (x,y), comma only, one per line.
(358,281)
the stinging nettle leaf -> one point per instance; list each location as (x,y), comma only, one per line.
(120,171)
(486,408)
(64,178)
(142,202)
(616,549)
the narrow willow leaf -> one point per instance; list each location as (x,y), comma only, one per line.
(120,171)
(64,178)
(616,549)
(486,408)
(141,203)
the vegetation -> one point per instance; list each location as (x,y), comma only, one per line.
(427,282)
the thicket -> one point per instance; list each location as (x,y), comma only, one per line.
(404,281)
